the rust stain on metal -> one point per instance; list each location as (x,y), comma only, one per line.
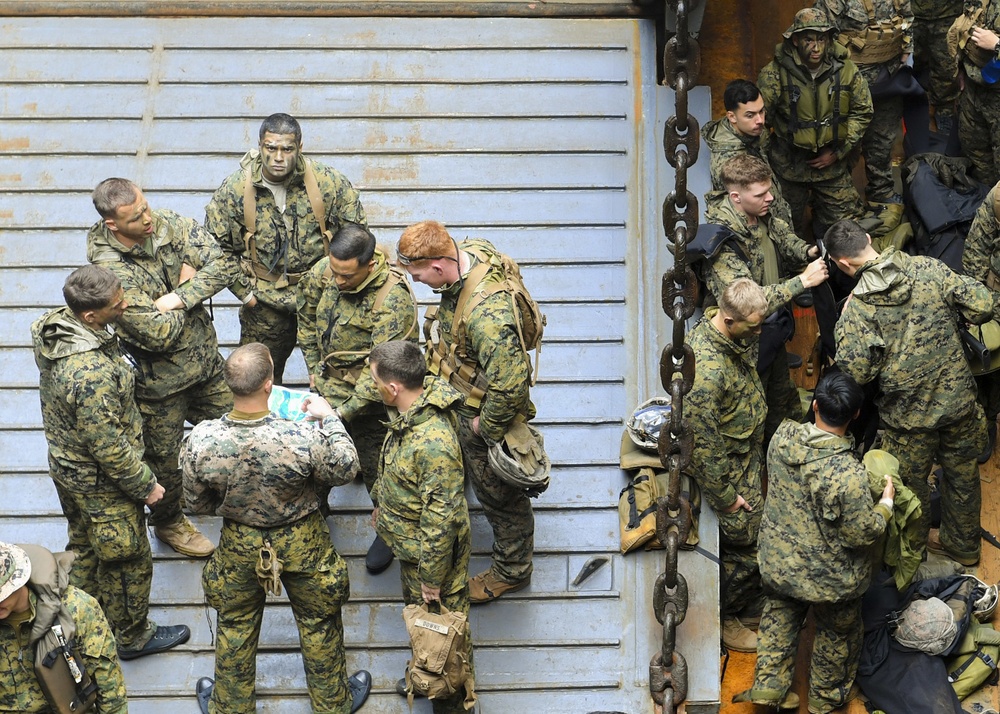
(17,143)
(30,107)
(10,178)
(392,170)
(6,214)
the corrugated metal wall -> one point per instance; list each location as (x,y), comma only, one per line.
(528,133)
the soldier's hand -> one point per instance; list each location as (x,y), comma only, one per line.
(252,302)
(740,503)
(168,302)
(984,39)
(317,407)
(890,490)
(430,594)
(155,495)
(187,272)
(312,381)
(825,158)
(815,273)
(374,515)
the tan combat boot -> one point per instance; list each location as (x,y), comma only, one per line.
(487,587)
(182,536)
(737,637)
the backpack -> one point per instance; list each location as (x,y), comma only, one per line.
(439,666)
(975,659)
(708,242)
(67,686)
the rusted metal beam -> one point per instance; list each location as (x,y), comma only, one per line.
(326,8)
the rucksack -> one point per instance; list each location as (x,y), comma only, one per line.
(708,242)
(439,666)
(975,659)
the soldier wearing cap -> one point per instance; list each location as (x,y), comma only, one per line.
(819,107)
(35,595)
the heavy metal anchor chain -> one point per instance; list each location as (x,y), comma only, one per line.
(668,670)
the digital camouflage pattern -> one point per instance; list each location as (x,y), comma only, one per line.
(262,476)
(981,253)
(287,243)
(724,142)
(493,344)
(901,327)
(978,120)
(51,597)
(330,321)
(177,352)
(95,453)
(931,56)
(726,408)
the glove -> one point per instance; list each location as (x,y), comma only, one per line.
(523,447)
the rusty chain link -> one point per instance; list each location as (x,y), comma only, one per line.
(668,670)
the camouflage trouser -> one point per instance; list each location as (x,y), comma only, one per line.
(454,596)
(315,578)
(367,431)
(988,394)
(114,564)
(275,328)
(876,147)
(782,396)
(163,430)
(930,52)
(507,509)
(955,448)
(979,130)
(740,588)
(833,199)
(835,655)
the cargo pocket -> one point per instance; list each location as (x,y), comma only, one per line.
(117,533)
(739,528)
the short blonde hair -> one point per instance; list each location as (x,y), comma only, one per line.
(425,239)
(742,171)
(743,298)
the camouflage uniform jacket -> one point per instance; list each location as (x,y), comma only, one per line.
(724,142)
(851,17)
(289,242)
(727,408)
(264,472)
(788,159)
(51,598)
(982,245)
(420,491)
(791,252)
(901,326)
(937,9)
(92,424)
(990,20)
(493,344)
(175,349)
(333,320)
(819,518)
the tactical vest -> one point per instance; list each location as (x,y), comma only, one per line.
(960,35)
(252,267)
(881,41)
(816,108)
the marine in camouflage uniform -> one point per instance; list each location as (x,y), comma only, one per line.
(51,599)
(262,474)
(176,350)
(931,20)
(816,537)
(979,104)
(901,327)
(287,239)
(421,511)
(494,351)
(95,450)
(801,144)
(893,19)
(726,409)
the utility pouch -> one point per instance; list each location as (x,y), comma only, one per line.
(439,667)
(66,685)
(269,570)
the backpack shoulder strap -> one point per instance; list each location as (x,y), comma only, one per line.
(249,214)
(394,278)
(316,202)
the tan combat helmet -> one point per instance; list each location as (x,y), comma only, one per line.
(809,18)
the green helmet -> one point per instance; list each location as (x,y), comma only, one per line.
(809,18)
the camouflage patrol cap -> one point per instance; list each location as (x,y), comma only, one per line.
(927,625)
(809,18)
(15,569)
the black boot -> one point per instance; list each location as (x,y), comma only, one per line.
(991,434)
(379,556)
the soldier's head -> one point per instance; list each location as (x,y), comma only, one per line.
(280,145)
(15,569)
(124,209)
(848,245)
(744,107)
(811,33)
(742,308)
(748,181)
(429,254)
(398,368)
(352,253)
(837,399)
(95,296)
(249,370)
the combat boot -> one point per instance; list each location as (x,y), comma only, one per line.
(164,638)
(934,545)
(487,587)
(182,536)
(768,699)
(737,637)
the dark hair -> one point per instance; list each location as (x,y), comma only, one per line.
(399,361)
(91,287)
(838,398)
(353,241)
(739,91)
(113,193)
(281,124)
(247,368)
(845,239)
